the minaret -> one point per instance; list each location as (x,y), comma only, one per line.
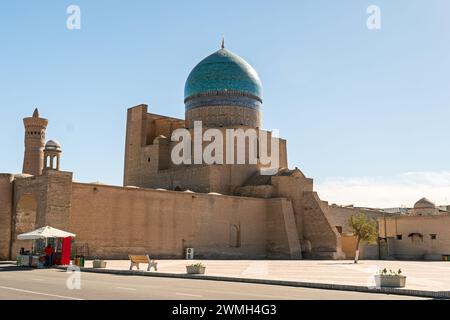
(33,161)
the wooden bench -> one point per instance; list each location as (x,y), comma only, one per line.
(136,259)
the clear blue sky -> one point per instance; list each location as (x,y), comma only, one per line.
(352,102)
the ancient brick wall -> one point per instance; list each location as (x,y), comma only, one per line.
(417,237)
(282,237)
(117,221)
(148,161)
(58,198)
(224,115)
(324,238)
(38,202)
(340,216)
(294,188)
(135,140)
(6,198)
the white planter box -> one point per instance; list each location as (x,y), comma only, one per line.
(390,281)
(99,264)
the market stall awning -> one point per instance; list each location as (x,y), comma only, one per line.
(45,233)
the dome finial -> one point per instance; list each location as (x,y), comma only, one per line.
(36,113)
(223,42)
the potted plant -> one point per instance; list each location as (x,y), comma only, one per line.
(390,279)
(197,268)
(99,263)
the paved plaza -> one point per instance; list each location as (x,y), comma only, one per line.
(421,275)
(51,284)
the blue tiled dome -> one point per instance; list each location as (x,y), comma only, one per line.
(223,71)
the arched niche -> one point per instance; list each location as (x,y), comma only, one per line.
(235,236)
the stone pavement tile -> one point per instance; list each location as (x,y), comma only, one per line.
(431,276)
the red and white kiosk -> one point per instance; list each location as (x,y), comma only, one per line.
(61,240)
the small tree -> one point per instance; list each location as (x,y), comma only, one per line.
(365,229)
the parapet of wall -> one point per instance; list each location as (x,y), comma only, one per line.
(116,221)
(6,198)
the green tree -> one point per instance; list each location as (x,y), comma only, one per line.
(365,229)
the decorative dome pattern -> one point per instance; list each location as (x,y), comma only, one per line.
(223,73)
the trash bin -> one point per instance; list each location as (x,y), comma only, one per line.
(81,265)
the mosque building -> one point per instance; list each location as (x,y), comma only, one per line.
(221,210)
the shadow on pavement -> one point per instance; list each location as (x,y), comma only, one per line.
(12,267)
(336,263)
